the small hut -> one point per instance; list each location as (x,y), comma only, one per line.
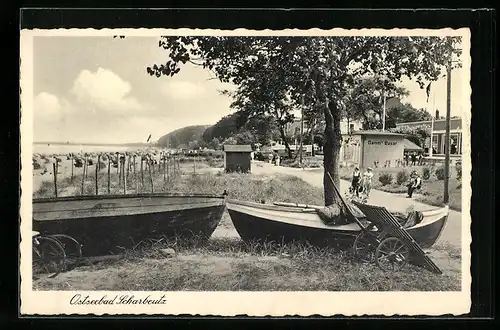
(237,158)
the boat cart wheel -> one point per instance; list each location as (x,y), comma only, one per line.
(48,256)
(392,254)
(364,247)
(72,248)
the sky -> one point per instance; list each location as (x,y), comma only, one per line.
(96,90)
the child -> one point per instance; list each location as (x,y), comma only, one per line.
(356,178)
(367,181)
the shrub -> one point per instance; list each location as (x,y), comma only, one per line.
(426,173)
(458,168)
(402,177)
(385,178)
(440,173)
(36,165)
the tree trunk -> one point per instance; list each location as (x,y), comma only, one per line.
(331,151)
(311,135)
(283,137)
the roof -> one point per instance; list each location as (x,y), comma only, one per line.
(237,148)
(373,132)
(410,145)
(438,125)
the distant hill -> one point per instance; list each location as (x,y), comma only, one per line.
(224,128)
(182,136)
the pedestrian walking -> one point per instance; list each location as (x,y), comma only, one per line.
(367,181)
(356,180)
(413,159)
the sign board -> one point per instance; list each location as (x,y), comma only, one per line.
(381,143)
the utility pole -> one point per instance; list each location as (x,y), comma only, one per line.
(446,196)
(301,130)
(383,114)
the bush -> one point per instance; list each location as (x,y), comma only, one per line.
(426,173)
(385,178)
(36,165)
(458,168)
(440,173)
(402,177)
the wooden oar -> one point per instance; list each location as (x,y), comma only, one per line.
(348,208)
(304,206)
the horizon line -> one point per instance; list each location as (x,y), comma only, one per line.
(93,144)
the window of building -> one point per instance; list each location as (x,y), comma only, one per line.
(454,144)
(437,144)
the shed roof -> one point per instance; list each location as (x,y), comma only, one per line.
(238,148)
(410,145)
(373,132)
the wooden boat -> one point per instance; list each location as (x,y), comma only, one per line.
(284,222)
(110,223)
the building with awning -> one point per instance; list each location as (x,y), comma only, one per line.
(438,127)
(372,148)
(410,146)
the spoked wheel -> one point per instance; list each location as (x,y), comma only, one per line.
(392,254)
(48,256)
(72,249)
(364,247)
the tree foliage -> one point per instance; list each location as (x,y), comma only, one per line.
(274,75)
(417,134)
(364,102)
(263,128)
(405,113)
(182,136)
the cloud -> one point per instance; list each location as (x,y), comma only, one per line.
(103,90)
(183,90)
(46,104)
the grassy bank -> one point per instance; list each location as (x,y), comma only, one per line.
(432,189)
(232,265)
(207,180)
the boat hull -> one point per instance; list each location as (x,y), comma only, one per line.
(111,231)
(252,228)
(280,224)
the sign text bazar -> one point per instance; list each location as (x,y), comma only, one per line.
(382,143)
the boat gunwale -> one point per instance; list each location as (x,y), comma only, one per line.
(151,214)
(125,196)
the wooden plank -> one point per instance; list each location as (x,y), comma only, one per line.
(386,219)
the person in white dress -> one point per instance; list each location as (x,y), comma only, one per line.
(367,181)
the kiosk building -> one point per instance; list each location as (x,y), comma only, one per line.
(372,148)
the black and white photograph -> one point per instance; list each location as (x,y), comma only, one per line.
(213,172)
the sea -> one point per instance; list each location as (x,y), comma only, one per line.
(65,148)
